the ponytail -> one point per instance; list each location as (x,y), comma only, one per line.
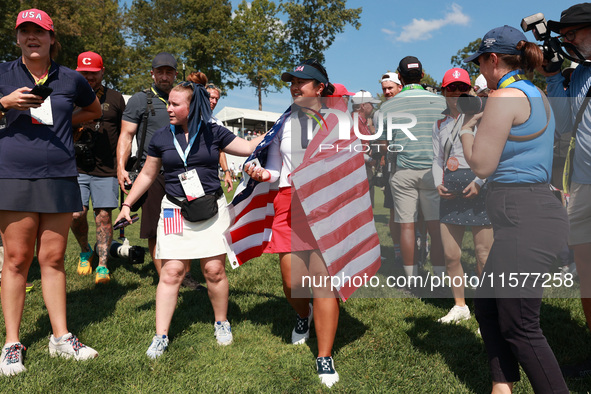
(531,57)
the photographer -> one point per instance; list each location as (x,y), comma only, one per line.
(513,150)
(98,179)
(574,28)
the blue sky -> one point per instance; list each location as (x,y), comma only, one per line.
(432,30)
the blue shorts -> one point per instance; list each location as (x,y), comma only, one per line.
(104,191)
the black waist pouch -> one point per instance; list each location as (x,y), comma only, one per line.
(202,208)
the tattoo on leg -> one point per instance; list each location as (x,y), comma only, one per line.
(104,234)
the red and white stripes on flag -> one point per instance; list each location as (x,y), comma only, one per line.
(173,221)
(251,210)
(251,220)
(332,186)
(333,189)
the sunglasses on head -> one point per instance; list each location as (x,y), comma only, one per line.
(462,87)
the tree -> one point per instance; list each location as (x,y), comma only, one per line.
(458,59)
(258,37)
(430,81)
(313,25)
(194,31)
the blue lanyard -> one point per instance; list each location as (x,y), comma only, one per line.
(184,155)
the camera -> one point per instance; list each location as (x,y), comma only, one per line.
(551,46)
(84,149)
(470,105)
(133,254)
(132,176)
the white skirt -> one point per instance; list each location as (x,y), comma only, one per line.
(198,239)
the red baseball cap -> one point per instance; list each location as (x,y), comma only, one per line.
(89,61)
(456,75)
(340,90)
(35,16)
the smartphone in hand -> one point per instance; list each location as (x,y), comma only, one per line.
(124,223)
(41,90)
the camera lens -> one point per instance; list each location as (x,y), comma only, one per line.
(470,105)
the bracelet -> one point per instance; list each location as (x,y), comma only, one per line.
(126,205)
(466,131)
(226,170)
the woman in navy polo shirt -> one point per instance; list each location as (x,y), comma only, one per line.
(38,179)
(188,150)
(513,149)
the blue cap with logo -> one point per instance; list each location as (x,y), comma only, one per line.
(502,39)
(305,70)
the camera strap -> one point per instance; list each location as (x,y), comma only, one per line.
(149,109)
(452,138)
(581,111)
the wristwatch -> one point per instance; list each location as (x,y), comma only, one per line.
(226,170)
(3,109)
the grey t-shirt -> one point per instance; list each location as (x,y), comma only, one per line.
(134,112)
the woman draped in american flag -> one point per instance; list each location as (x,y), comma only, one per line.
(308,202)
(188,149)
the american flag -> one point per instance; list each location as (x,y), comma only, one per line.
(333,188)
(173,221)
(251,210)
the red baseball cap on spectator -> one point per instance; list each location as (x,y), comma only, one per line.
(38,17)
(340,90)
(456,75)
(89,61)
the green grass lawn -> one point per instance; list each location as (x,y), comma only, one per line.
(383,344)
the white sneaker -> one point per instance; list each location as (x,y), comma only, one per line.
(223,332)
(11,361)
(69,346)
(568,269)
(326,372)
(301,331)
(456,314)
(158,346)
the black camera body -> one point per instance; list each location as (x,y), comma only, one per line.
(470,105)
(551,46)
(132,176)
(84,150)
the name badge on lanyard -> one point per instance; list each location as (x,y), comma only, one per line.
(43,114)
(190,181)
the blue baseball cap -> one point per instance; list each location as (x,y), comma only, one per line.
(499,40)
(305,70)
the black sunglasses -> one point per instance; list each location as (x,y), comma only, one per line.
(462,87)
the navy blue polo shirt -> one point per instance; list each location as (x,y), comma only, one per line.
(204,156)
(32,151)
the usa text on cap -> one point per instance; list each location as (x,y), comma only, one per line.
(38,17)
(305,70)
